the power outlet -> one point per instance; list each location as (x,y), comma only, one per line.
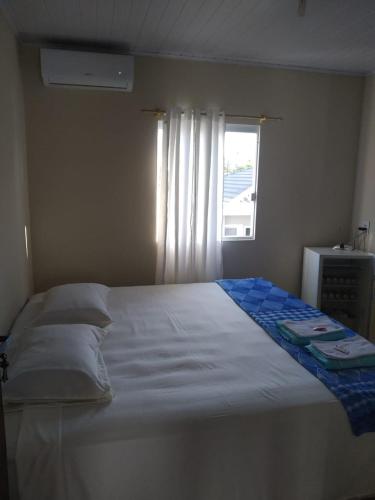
(365,224)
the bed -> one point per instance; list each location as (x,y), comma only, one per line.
(206,407)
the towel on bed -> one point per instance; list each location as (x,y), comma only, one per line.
(303,331)
(354,352)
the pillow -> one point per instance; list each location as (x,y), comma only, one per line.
(76,303)
(58,363)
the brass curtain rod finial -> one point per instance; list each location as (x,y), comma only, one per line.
(159,113)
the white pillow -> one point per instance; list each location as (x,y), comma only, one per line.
(58,363)
(75,303)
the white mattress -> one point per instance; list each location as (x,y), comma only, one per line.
(207,407)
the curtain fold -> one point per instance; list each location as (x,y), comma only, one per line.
(190,192)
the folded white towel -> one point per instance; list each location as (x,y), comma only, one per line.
(311,327)
(349,348)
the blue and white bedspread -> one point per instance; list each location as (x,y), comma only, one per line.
(265,303)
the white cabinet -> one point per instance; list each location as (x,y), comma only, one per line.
(339,282)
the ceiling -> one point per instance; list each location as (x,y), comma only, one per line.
(336,35)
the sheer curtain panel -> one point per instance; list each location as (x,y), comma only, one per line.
(190,192)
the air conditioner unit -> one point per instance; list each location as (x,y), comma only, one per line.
(87,69)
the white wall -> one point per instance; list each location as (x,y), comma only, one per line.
(15,272)
(364,200)
(92,167)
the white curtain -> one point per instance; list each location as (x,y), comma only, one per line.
(190,191)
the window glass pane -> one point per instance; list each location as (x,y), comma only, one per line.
(240,175)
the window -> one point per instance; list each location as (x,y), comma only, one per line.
(241,151)
(240,181)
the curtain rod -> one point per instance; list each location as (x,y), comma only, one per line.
(159,113)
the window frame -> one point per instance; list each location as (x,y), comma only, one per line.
(231,126)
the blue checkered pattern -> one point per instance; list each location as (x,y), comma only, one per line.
(265,303)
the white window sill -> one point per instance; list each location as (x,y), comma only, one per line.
(237,238)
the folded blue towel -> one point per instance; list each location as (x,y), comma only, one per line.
(294,339)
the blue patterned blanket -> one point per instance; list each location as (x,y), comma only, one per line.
(265,303)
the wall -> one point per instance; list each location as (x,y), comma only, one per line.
(92,167)
(364,199)
(364,195)
(15,284)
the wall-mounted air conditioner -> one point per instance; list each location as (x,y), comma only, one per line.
(87,69)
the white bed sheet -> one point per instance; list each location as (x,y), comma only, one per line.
(207,407)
